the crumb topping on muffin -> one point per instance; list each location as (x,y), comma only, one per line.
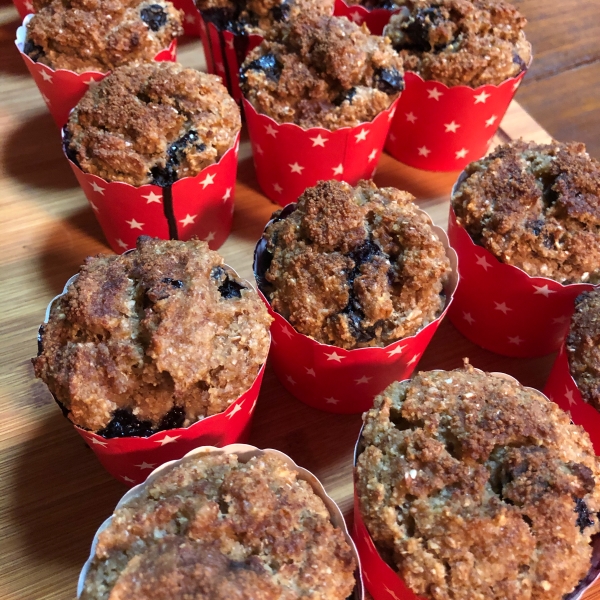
(583,346)
(537,207)
(473,486)
(100,35)
(461,42)
(322,72)
(216,528)
(156,338)
(355,267)
(152,123)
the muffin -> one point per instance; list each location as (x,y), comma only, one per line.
(536,207)
(100,35)
(460,42)
(475,487)
(321,71)
(154,339)
(257,16)
(216,528)
(355,267)
(583,347)
(152,123)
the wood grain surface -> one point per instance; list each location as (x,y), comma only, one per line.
(53,492)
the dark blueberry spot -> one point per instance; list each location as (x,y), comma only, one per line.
(363,253)
(549,194)
(174,282)
(281,12)
(386,4)
(154,16)
(267,64)
(519,61)
(173,419)
(231,289)
(345,95)
(40,342)
(125,424)
(217,273)
(389,81)
(548,241)
(63,408)
(69,151)
(134,40)
(167,175)
(536,226)
(417,30)
(583,514)
(32,50)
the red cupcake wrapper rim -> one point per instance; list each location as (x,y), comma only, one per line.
(383,583)
(129,459)
(288,158)
(62,89)
(200,206)
(191,17)
(375,19)
(335,379)
(24,7)
(245,453)
(444,128)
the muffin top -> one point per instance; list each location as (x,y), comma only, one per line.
(473,486)
(216,528)
(153,339)
(319,71)
(461,42)
(258,16)
(537,207)
(152,123)
(583,346)
(100,35)
(355,267)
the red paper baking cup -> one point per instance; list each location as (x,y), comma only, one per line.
(383,583)
(130,459)
(191,16)
(225,53)
(332,378)
(24,7)
(288,159)
(244,453)
(441,128)
(62,89)
(562,389)
(375,19)
(501,308)
(200,206)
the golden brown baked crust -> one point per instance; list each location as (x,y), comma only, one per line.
(460,42)
(537,207)
(100,35)
(152,123)
(474,487)
(322,72)
(355,267)
(215,528)
(153,339)
(583,346)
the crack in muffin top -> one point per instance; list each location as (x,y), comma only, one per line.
(355,267)
(537,207)
(474,487)
(322,72)
(460,42)
(156,338)
(100,35)
(152,123)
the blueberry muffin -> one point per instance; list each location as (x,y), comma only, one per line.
(243,17)
(537,207)
(218,528)
(156,338)
(355,267)
(322,72)
(152,123)
(100,35)
(474,487)
(460,42)
(583,347)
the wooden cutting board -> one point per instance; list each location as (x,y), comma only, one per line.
(53,492)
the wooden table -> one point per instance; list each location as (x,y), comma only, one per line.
(53,492)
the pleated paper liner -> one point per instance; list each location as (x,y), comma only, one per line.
(200,206)
(131,459)
(501,308)
(62,89)
(288,159)
(244,453)
(335,379)
(441,128)
(383,583)
(375,19)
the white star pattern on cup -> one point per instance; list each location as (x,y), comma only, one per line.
(97,188)
(392,137)
(468,318)
(236,409)
(413,360)
(152,197)
(277,188)
(96,442)
(145,465)
(219,66)
(339,170)
(134,224)
(319,141)
(271,131)
(543,291)
(167,440)
(208,180)
(434,94)
(363,379)
(482,262)
(310,372)
(296,168)
(391,593)
(128,479)
(362,136)
(94,207)
(410,117)
(290,380)
(210,237)
(491,121)
(451,127)
(461,153)
(396,350)
(569,396)
(191,20)
(481,98)
(424,151)
(287,332)
(516,85)
(259,150)
(46,76)
(335,356)
(332,400)
(227,195)
(373,155)
(122,244)
(560,320)
(502,307)
(231,44)
(392,114)
(29,6)
(357,18)
(46,99)
(517,341)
